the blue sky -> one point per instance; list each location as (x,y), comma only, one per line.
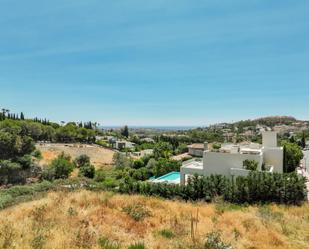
(155,62)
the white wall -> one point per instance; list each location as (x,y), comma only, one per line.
(195,152)
(221,163)
(274,157)
(269,139)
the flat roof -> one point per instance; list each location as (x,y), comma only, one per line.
(196,146)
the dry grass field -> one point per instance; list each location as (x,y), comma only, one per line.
(79,219)
(100,157)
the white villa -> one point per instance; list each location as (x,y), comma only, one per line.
(228,160)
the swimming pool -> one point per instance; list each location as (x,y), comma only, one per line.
(172,177)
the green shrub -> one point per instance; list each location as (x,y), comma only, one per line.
(166,233)
(25,161)
(87,170)
(110,183)
(214,241)
(137,211)
(14,194)
(139,163)
(60,168)
(37,154)
(137,245)
(82,160)
(216,146)
(250,165)
(99,175)
(5,200)
(104,243)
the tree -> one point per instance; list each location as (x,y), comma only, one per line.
(125,131)
(87,170)
(13,146)
(121,161)
(250,165)
(164,166)
(82,160)
(292,139)
(139,163)
(152,163)
(162,150)
(61,167)
(292,156)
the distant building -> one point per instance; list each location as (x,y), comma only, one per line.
(197,149)
(111,139)
(229,159)
(147,140)
(143,153)
(122,144)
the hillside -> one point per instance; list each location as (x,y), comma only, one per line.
(79,219)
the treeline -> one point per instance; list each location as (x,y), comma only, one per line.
(198,135)
(257,187)
(17,143)
(43,130)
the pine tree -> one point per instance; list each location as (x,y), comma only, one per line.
(22,117)
(125,131)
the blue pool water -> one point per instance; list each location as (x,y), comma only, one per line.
(173,176)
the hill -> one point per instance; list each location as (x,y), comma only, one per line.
(84,219)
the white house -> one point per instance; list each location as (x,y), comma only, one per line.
(122,144)
(143,153)
(228,160)
(197,149)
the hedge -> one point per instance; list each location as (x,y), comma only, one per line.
(257,187)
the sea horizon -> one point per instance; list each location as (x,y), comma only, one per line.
(154,127)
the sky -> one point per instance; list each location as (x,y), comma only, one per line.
(155,62)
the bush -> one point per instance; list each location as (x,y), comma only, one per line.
(82,160)
(37,154)
(99,175)
(121,161)
(87,170)
(25,161)
(104,243)
(139,163)
(166,233)
(110,183)
(292,156)
(164,166)
(60,168)
(214,241)
(137,245)
(250,165)
(137,211)
(13,194)
(216,146)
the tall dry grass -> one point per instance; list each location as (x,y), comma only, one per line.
(78,219)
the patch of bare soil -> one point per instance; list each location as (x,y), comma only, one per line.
(100,157)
